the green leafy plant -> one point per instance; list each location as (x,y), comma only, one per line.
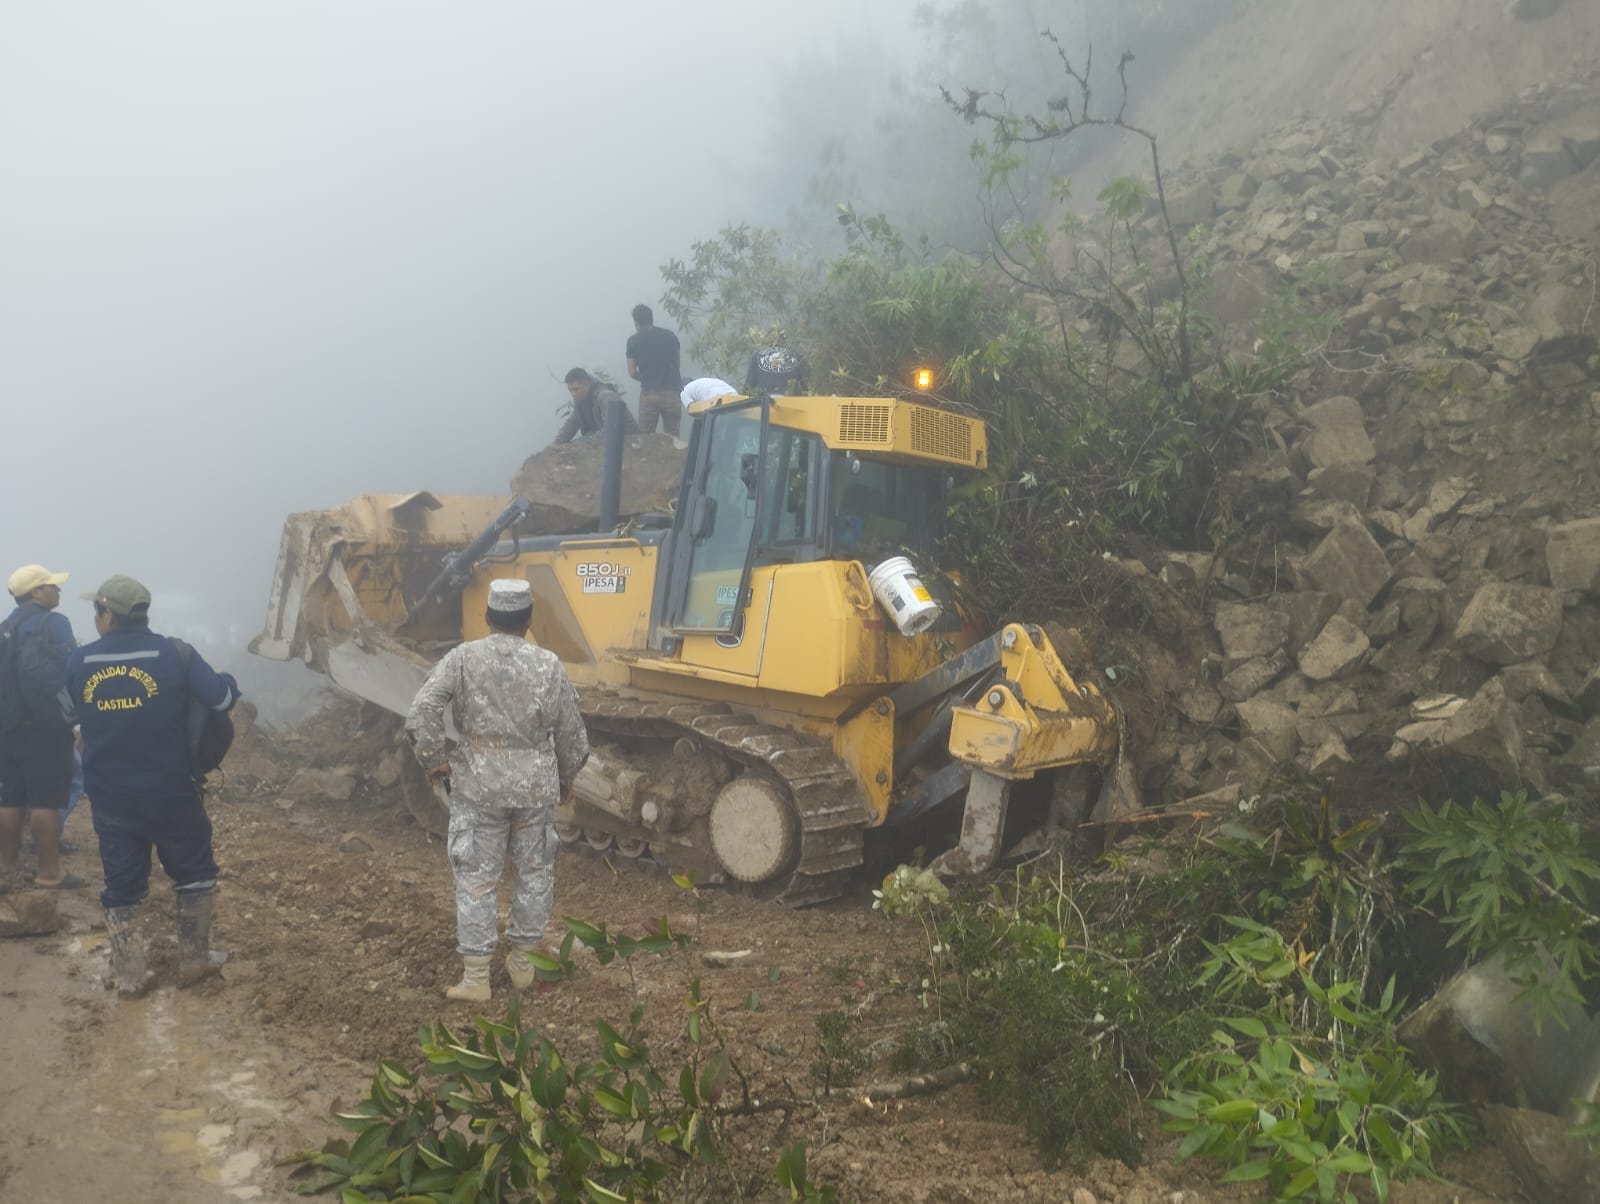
(1307,1112)
(792,1175)
(498,1113)
(1512,883)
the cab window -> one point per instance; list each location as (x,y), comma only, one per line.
(877,508)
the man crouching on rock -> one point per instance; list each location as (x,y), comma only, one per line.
(132,690)
(522,742)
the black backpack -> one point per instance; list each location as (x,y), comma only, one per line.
(33,678)
(12,714)
(210,731)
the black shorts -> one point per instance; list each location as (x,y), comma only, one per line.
(36,768)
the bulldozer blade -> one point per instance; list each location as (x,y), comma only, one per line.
(982,827)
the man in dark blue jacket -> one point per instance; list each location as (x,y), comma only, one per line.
(35,723)
(132,690)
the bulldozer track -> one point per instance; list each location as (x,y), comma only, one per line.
(824,792)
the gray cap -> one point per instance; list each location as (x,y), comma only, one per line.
(510,594)
(121,595)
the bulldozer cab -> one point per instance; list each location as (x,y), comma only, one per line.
(758,492)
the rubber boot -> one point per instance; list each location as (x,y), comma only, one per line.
(474,984)
(520,968)
(197,960)
(127,951)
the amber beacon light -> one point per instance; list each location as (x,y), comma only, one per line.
(923,380)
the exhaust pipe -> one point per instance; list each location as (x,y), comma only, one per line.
(611,473)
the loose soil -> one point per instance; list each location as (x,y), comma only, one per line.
(338,956)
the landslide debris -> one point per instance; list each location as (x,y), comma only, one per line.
(563,481)
(1408,599)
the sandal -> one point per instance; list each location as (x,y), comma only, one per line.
(68,882)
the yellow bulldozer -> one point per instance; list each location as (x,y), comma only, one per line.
(769,670)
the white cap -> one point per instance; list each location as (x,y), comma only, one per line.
(510,594)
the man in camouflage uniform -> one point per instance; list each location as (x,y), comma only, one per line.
(522,741)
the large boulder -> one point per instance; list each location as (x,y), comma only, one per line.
(563,482)
(1339,648)
(1349,563)
(1505,624)
(1547,1160)
(1250,630)
(1483,729)
(1338,434)
(1480,1032)
(1271,726)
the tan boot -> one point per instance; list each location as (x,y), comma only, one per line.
(520,968)
(474,984)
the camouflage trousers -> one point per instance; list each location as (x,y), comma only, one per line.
(481,840)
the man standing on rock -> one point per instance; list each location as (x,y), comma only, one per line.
(35,724)
(133,689)
(591,403)
(522,742)
(653,362)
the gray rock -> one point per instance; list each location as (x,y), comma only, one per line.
(1254,675)
(1347,563)
(387,772)
(1318,516)
(29,913)
(1487,1045)
(1271,726)
(1307,611)
(1533,678)
(1443,497)
(1348,482)
(1191,206)
(1330,754)
(1250,629)
(1548,1162)
(1572,553)
(1448,235)
(320,786)
(1588,696)
(1486,730)
(1505,623)
(1236,190)
(1546,158)
(1200,704)
(353,842)
(1338,435)
(1514,342)
(1340,648)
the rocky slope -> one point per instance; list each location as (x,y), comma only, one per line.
(1409,600)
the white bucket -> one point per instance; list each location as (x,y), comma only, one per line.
(900,591)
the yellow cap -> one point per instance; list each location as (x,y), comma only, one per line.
(30,577)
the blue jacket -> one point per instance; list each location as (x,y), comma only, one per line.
(132,698)
(31,619)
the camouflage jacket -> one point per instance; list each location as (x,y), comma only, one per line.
(522,740)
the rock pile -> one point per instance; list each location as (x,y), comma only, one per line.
(1413,588)
(563,482)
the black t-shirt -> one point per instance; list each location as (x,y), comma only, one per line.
(655,350)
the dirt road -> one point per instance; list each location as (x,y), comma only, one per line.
(339,919)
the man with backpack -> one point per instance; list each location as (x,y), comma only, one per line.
(35,724)
(136,693)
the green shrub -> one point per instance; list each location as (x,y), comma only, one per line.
(1513,883)
(499,1114)
(1305,1111)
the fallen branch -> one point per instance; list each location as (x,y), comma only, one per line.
(917,1084)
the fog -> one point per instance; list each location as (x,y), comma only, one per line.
(261,258)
